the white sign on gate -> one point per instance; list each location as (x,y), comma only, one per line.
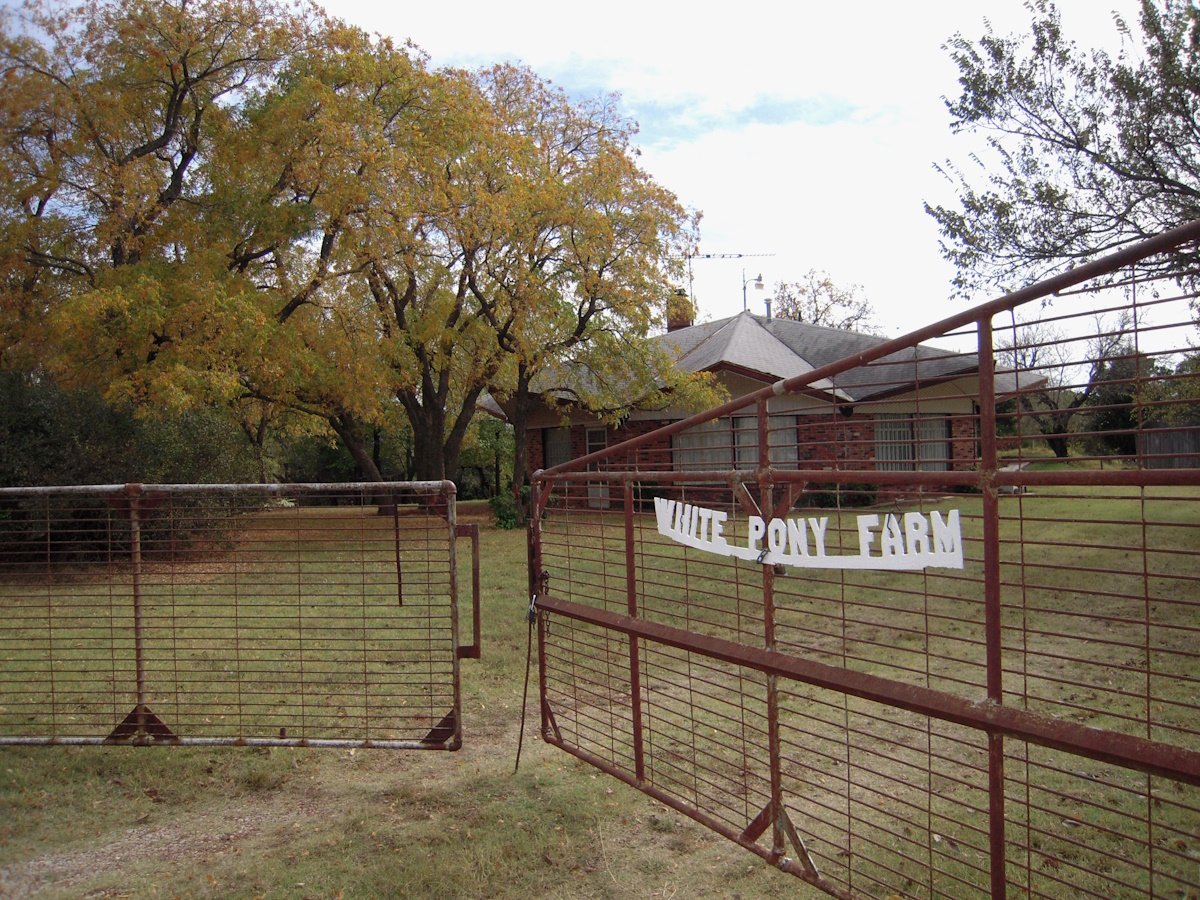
(908,542)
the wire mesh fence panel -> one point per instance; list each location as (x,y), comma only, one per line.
(230,614)
(918,621)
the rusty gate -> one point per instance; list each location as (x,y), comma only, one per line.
(297,615)
(923,621)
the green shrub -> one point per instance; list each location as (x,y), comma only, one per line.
(829,496)
(504,508)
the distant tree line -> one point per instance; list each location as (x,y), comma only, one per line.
(54,435)
(1096,398)
(1085,151)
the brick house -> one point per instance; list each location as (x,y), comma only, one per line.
(917,409)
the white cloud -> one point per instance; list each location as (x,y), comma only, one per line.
(806,130)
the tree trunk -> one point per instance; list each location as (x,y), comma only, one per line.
(410,462)
(437,445)
(522,402)
(427,427)
(452,450)
(436,450)
(1053,423)
(1059,426)
(257,434)
(351,435)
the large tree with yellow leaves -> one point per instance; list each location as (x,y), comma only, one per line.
(248,204)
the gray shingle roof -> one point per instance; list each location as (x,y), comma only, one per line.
(739,341)
(783,348)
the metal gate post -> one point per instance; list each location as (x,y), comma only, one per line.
(766,496)
(135,550)
(533,532)
(451,494)
(992,613)
(537,581)
(635,669)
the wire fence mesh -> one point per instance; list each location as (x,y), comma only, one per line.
(921,622)
(298,615)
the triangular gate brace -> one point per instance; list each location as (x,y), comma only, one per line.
(442,731)
(763,821)
(141,725)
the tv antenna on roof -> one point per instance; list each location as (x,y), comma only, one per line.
(758,281)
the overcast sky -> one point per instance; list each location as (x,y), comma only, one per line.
(803,130)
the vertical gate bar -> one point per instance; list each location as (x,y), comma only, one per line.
(635,670)
(395,502)
(533,534)
(534,544)
(474,651)
(48,577)
(544,705)
(991,593)
(450,492)
(304,692)
(1147,608)
(767,504)
(135,551)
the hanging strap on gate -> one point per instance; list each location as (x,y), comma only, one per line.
(531,617)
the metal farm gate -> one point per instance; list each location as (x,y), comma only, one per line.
(287,615)
(923,622)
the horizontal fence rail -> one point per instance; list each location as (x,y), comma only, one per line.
(292,615)
(922,622)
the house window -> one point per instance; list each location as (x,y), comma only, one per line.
(557,444)
(733,443)
(783,439)
(703,448)
(745,442)
(906,442)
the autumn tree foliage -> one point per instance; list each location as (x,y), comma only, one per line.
(109,113)
(592,246)
(240,203)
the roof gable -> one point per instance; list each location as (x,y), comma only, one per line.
(742,342)
(785,348)
(775,349)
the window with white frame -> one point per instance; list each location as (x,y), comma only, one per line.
(908,442)
(733,443)
(745,442)
(597,440)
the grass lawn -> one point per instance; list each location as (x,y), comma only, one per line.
(1100,614)
(233,822)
